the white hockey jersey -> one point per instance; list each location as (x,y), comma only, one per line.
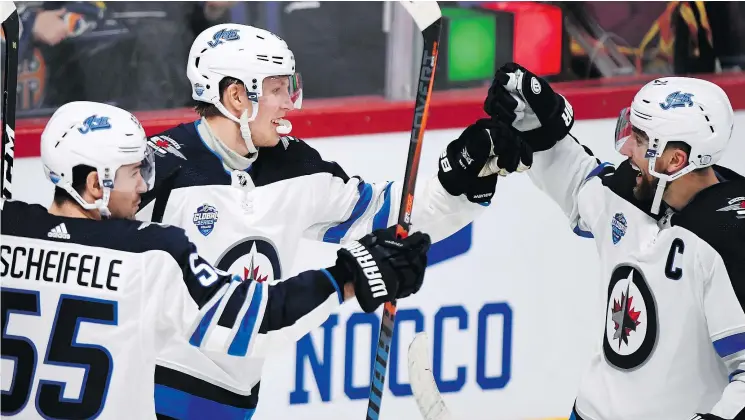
(673,344)
(88,305)
(250,222)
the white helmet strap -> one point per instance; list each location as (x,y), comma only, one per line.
(663,180)
(101,204)
(243,124)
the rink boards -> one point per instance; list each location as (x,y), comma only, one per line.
(512,305)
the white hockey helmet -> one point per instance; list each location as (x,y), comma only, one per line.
(683,109)
(245,53)
(97,135)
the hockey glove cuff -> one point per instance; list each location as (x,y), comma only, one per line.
(528,103)
(382,267)
(471,164)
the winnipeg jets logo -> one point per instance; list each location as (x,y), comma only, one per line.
(93,123)
(253,271)
(625,318)
(631,319)
(254,258)
(677,100)
(223,35)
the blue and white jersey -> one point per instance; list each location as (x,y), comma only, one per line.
(88,305)
(250,222)
(673,342)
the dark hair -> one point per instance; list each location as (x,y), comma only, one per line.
(79,177)
(205,109)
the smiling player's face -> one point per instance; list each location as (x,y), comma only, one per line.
(274,104)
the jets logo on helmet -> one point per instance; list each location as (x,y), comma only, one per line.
(677,100)
(93,123)
(224,35)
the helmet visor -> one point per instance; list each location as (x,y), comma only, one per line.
(623,128)
(129,176)
(296,90)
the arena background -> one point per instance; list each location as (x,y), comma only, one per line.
(511,303)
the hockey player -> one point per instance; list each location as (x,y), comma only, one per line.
(88,303)
(669,224)
(246,193)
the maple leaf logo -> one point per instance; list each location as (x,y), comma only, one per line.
(625,318)
(252,273)
(247,274)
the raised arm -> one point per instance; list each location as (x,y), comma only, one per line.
(562,167)
(444,203)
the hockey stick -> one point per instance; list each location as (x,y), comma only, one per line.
(428,19)
(423,385)
(9,17)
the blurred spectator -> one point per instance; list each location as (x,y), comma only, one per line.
(131,54)
(49,27)
(675,37)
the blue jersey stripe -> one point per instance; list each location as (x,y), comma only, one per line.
(239,346)
(201,330)
(183,406)
(730,345)
(336,233)
(380,221)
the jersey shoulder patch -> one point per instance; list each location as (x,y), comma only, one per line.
(717,216)
(183,160)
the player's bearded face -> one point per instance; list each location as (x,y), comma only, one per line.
(274,103)
(129,184)
(646,185)
(635,148)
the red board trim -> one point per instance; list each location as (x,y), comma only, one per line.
(371,115)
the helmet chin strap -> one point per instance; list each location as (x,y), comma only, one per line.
(284,128)
(657,201)
(242,123)
(663,180)
(101,204)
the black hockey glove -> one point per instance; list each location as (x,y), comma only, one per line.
(382,267)
(472,163)
(527,102)
(706,417)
